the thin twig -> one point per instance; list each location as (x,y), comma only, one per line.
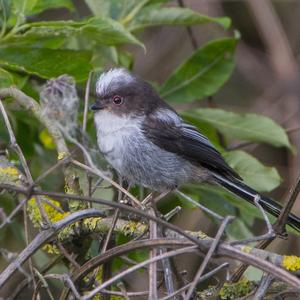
(59,163)
(8,219)
(208,256)
(201,279)
(210,212)
(25,282)
(189,30)
(15,145)
(270,235)
(67,255)
(263,287)
(279,226)
(292,130)
(112,182)
(44,285)
(86,102)
(114,220)
(223,249)
(123,290)
(138,266)
(274,37)
(153,254)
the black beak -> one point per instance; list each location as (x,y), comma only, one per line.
(97,106)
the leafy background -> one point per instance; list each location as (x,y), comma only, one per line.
(222,83)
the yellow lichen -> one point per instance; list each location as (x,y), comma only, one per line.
(9,174)
(62,155)
(91,223)
(51,249)
(11,171)
(291,262)
(53,214)
(199,234)
(132,227)
(246,249)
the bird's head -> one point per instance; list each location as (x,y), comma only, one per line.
(122,93)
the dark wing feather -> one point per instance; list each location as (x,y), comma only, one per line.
(184,140)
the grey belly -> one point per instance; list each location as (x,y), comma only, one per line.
(146,164)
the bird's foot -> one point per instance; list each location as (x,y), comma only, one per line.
(267,236)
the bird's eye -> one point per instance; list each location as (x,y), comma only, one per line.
(118,100)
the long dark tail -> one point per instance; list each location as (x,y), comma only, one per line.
(240,189)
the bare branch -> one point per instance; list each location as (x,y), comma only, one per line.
(208,256)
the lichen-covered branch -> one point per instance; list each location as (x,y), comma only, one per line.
(28,103)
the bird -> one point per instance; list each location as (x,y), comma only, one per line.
(146,141)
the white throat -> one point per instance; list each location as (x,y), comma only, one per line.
(110,123)
(114,135)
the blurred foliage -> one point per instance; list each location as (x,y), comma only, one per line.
(32,51)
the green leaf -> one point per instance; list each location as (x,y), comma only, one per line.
(203,73)
(157,16)
(102,30)
(249,127)
(253,172)
(222,201)
(23,6)
(36,39)
(238,230)
(108,31)
(5,10)
(116,9)
(47,63)
(6,79)
(9,78)
(40,6)
(99,8)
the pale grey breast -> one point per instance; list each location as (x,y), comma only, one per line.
(137,159)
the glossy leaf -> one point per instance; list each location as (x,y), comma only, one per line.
(50,4)
(249,127)
(253,172)
(156,16)
(108,31)
(202,74)
(47,63)
(36,39)
(103,30)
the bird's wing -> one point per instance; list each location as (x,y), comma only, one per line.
(169,132)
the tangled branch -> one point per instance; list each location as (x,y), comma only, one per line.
(65,227)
